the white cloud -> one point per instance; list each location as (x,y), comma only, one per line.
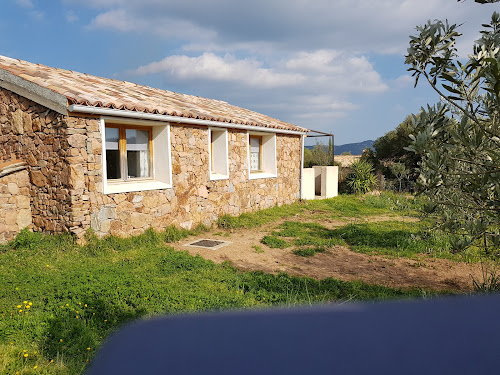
(71,16)
(318,71)
(355,25)
(229,69)
(25,3)
(31,10)
(304,61)
(159,24)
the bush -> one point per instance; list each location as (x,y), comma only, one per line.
(361,179)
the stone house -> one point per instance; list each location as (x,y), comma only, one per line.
(79,152)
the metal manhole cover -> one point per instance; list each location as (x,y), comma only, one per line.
(208,244)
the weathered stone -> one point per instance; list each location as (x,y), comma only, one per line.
(76,176)
(77,140)
(27,123)
(24,218)
(137,198)
(17,122)
(150,201)
(140,220)
(203,192)
(23,201)
(106,213)
(38,179)
(12,188)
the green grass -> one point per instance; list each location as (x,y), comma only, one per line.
(81,294)
(391,238)
(309,251)
(342,207)
(274,242)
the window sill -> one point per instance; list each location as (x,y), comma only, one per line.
(217,176)
(256,175)
(113,187)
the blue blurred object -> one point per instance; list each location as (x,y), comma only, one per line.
(454,335)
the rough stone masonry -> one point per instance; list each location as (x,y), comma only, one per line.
(61,189)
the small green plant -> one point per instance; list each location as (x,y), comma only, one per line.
(309,251)
(274,242)
(174,234)
(490,281)
(258,249)
(361,179)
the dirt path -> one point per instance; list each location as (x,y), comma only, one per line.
(338,262)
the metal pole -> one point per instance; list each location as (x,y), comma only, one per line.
(333,148)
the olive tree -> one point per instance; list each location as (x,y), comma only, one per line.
(459,139)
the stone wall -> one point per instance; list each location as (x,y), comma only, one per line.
(37,135)
(194,198)
(64,158)
(15,208)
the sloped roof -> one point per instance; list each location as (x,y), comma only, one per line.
(88,90)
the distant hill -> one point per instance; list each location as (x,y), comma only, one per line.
(354,148)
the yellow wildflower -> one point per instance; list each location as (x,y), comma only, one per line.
(35,367)
(25,302)
(31,303)
(88,348)
(26,355)
(60,340)
(28,307)
(18,306)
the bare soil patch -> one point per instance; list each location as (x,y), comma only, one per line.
(338,262)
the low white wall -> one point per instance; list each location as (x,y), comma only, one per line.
(320,181)
(308,183)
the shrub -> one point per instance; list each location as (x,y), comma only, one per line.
(361,179)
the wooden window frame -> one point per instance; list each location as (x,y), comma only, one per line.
(122,148)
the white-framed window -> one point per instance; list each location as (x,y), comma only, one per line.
(261,155)
(136,155)
(217,149)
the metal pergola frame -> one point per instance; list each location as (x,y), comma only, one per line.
(323,134)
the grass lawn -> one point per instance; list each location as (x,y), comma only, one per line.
(59,301)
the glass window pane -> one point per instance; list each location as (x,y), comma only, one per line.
(254,154)
(112,136)
(137,153)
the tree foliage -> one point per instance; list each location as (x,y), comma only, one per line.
(391,148)
(319,155)
(459,139)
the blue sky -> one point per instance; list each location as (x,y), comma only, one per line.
(334,66)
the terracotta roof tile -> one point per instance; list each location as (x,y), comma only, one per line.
(85,89)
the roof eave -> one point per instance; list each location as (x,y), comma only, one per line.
(77,108)
(34,92)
